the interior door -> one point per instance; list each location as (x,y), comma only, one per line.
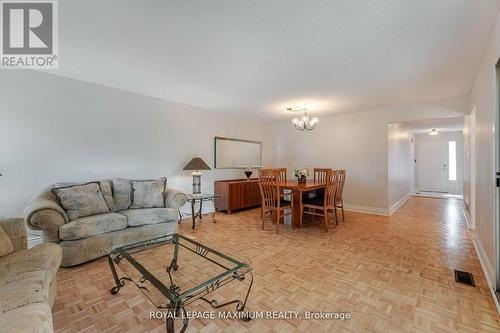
(433,166)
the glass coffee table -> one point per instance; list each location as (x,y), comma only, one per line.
(174,271)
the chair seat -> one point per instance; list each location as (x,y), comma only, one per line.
(314,201)
(284,203)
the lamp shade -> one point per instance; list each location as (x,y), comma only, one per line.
(196,164)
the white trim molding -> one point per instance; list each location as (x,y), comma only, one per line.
(467,218)
(366,210)
(398,204)
(376,210)
(487,269)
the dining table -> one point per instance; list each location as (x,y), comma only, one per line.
(297,190)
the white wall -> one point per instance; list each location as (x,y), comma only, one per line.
(454,187)
(400,164)
(358,143)
(54,129)
(483,97)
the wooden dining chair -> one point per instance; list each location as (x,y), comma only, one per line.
(320,174)
(339,200)
(272,199)
(318,206)
(281,174)
(264,171)
(282,178)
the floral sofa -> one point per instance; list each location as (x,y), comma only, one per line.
(89,219)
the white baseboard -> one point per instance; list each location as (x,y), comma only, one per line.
(487,269)
(467,217)
(398,204)
(376,210)
(366,210)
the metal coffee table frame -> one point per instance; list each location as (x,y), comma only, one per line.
(178,299)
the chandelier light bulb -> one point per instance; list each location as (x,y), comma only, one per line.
(304,122)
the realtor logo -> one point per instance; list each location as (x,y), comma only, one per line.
(29,34)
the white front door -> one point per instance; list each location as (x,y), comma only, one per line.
(433,166)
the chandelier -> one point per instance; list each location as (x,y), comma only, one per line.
(304,122)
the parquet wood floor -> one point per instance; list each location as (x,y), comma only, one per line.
(394,274)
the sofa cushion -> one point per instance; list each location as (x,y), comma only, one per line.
(6,246)
(27,275)
(107,192)
(92,225)
(122,193)
(137,217)
(36,317)
(82,200)
(86,249)
(106,189)
(148,193)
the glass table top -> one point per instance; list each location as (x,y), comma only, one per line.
(197,196)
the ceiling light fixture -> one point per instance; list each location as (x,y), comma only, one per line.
(433,132)
(304,122)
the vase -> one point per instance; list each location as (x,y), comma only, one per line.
(248,173)
(302,179)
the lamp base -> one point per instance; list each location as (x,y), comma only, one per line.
(197,184)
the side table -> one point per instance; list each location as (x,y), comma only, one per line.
(193,198)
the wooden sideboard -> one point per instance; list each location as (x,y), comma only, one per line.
(236,194)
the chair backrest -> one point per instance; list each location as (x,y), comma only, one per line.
(332,187)
(269,188)
(341,181)
(265,171)
(281,174)
(320,174)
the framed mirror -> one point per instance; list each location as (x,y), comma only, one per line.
(233,153)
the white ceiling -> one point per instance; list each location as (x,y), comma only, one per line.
(442,125)
(259,57)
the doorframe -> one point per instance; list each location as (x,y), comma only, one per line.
(496,134)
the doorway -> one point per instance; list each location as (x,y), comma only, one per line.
(440,163)
(433,161)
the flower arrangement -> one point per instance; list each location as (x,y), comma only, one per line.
(301,174)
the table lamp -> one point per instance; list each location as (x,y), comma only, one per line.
(196,164)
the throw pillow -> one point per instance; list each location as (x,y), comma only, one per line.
(6,246)
(82,200)
(148,193)
(122,193)
(107,193)
(106,190)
